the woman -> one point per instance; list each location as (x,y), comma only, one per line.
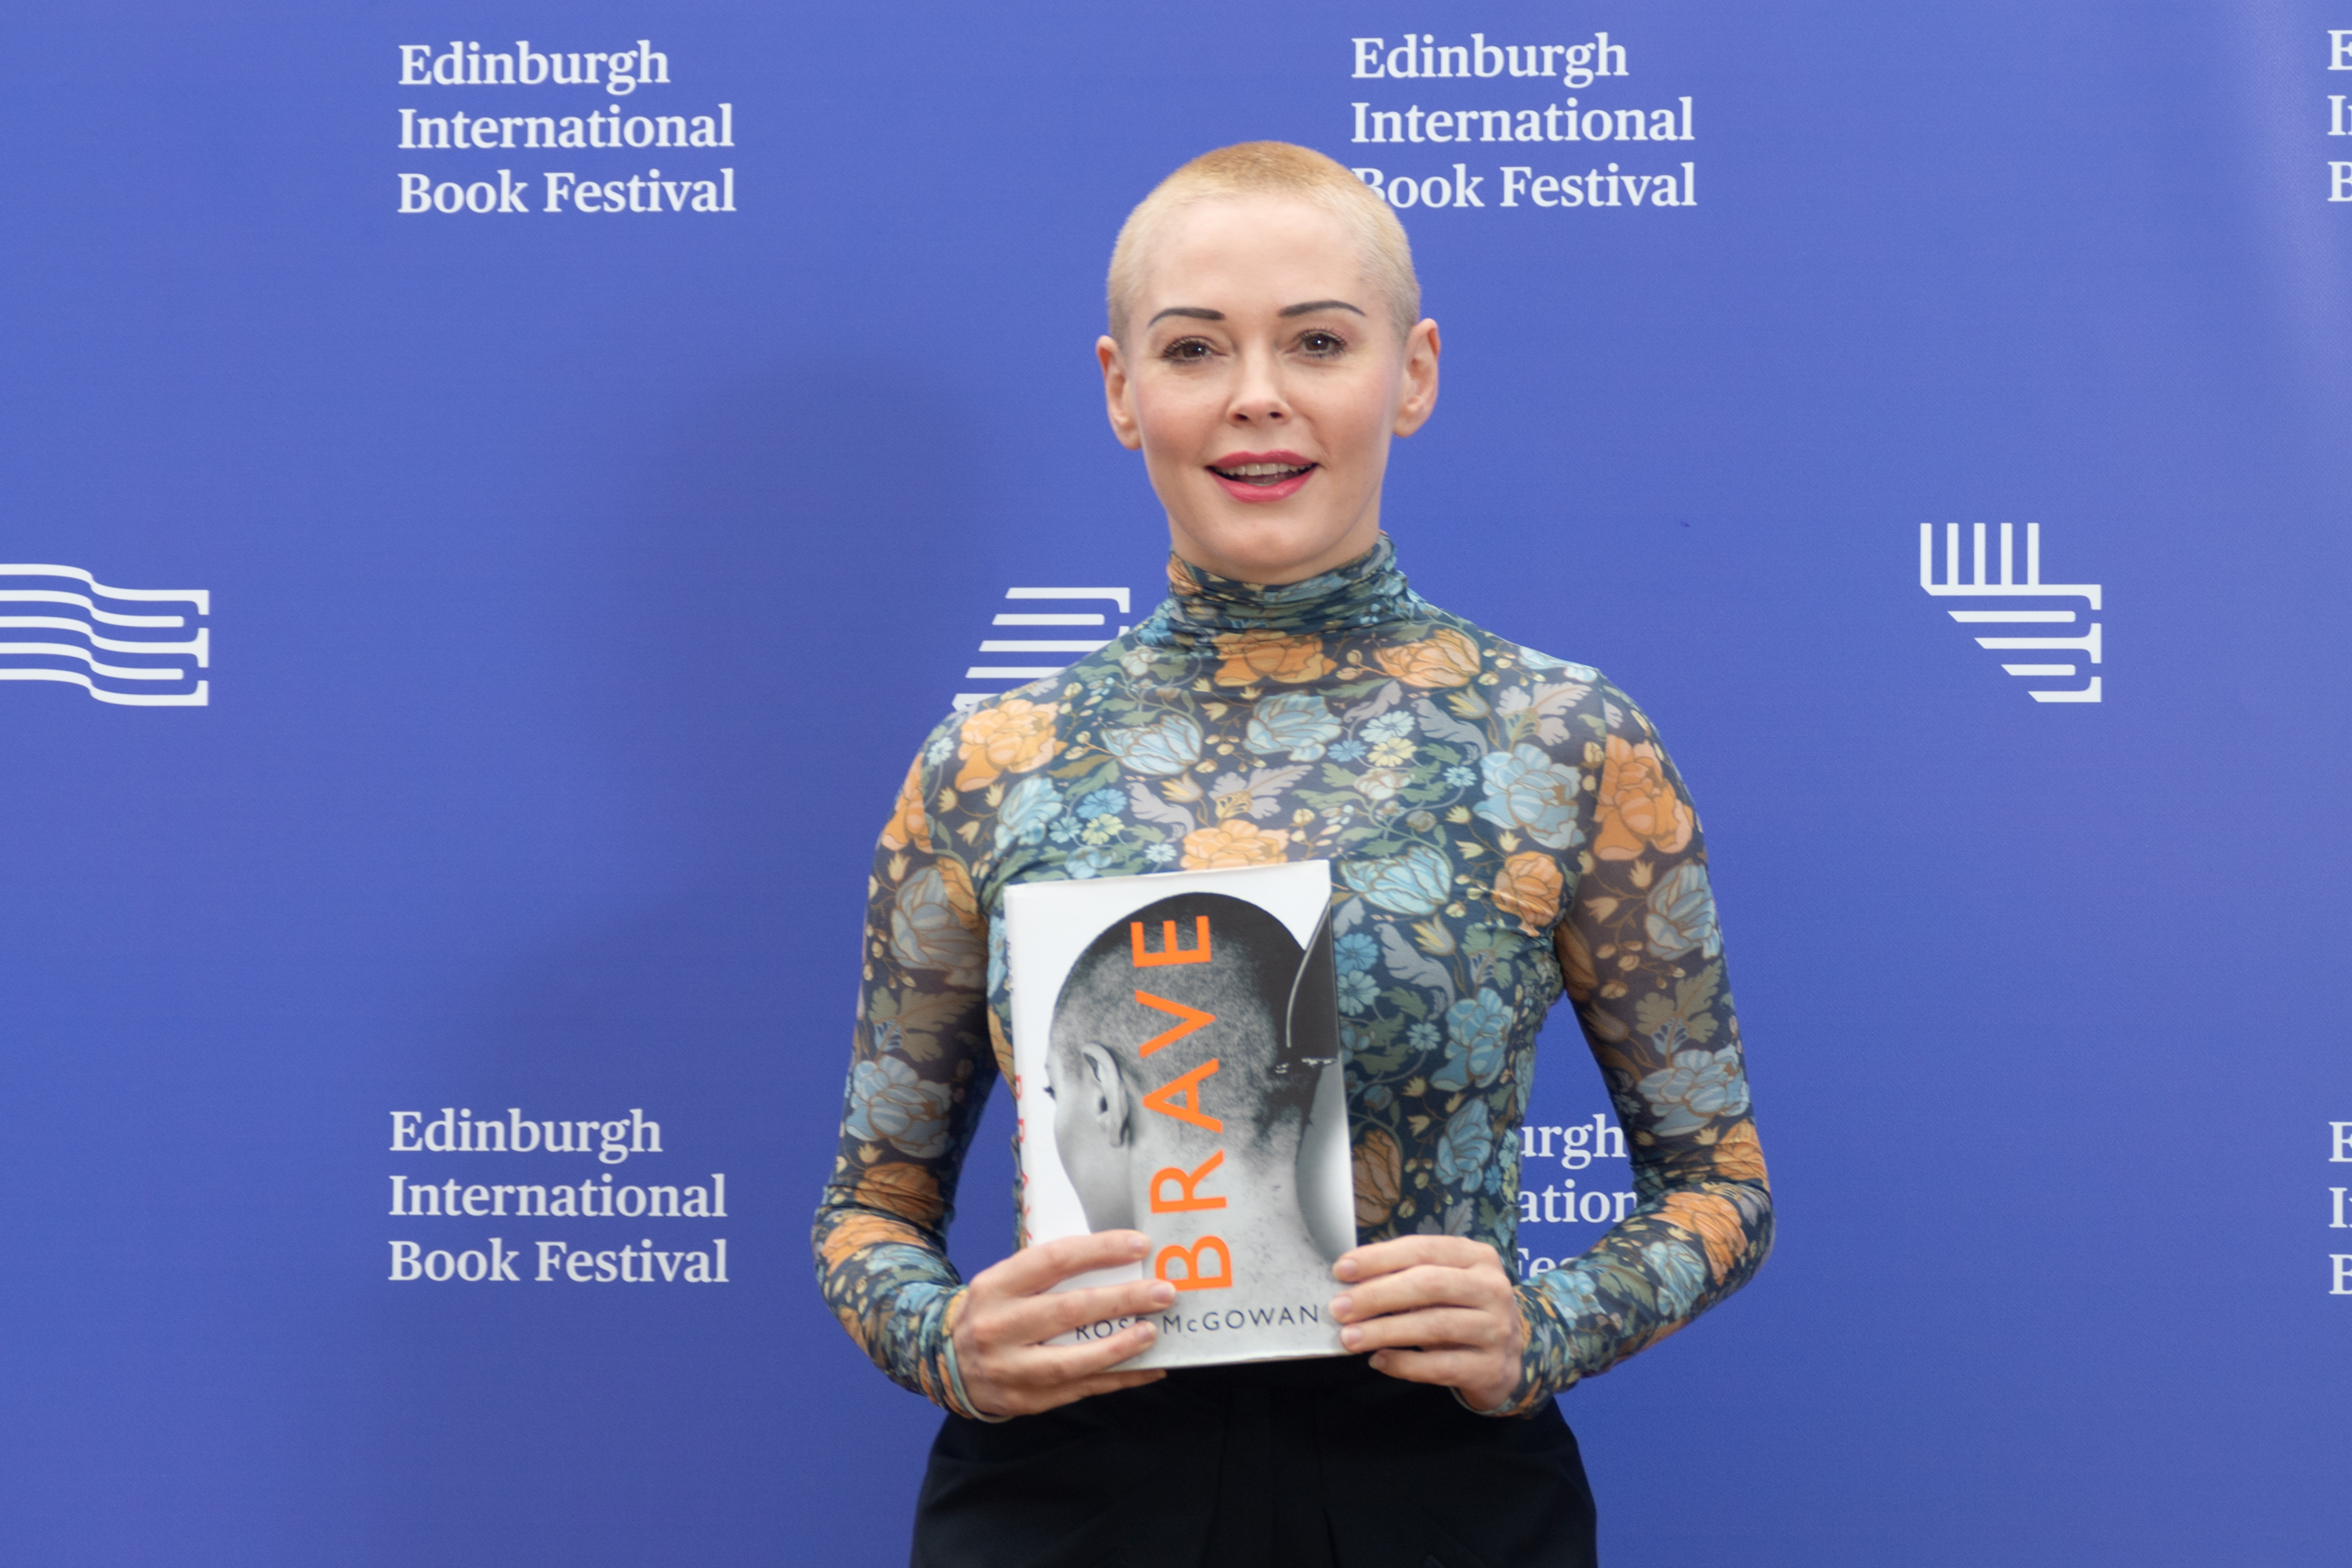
(1504,826)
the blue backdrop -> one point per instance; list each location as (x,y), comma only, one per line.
(577,583)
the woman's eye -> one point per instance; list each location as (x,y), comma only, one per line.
(1187,350)
(1322,343)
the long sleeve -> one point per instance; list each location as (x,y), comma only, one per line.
(920,1071)
(1641,955)
(1503,829)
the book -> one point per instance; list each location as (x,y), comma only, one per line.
(1177,1071)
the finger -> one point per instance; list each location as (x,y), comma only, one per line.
(1441,1329)
(1004,1380)
(1035,1319)
(1038,1363)
(1020,1380)
(1017,1341)
(1424,1285)
(1449,1369)
(1037,1269)
(1407,1251)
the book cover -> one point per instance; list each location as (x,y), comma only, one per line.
(1176,1068)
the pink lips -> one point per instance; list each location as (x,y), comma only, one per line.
(1260,489)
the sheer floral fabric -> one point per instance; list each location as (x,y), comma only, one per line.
(1505,827)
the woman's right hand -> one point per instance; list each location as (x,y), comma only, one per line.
(1010,1310)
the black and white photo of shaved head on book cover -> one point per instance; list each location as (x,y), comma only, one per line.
(1193,1090)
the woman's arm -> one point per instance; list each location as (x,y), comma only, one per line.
(1642,956)
(919,1075)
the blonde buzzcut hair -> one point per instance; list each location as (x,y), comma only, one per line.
(1271,168)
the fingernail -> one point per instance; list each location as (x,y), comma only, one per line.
(1345,1269)
(1161,1294)
(1340,1306)
(1150,1330)
(1348,1337)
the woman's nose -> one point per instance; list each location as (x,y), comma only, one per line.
(1257,397)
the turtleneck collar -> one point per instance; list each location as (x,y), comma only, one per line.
(1366,591)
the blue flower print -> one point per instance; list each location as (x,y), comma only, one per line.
(1479,1027)
(1460,777)
(1091,862)
(925,933)
(1572,1292)
(1298,722)
(1527,790)
(1699,1088)
(1029,807)
(1414,883)
(1168,747)
(1390,727)
(1682,913)
(1574,671)
(1356,952)
(1347,751)
(942,746)
(1468,1144)
(1357,991)
(888,1100)
(1102,802)
(1679,1273)
(1160,854)
(1422,1037)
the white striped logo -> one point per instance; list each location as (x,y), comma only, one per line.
(63,624)
(2084,649)
(1027,655)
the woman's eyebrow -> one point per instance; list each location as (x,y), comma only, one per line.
(1313,305)
(1194,311)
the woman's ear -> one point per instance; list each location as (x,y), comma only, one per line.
(1104,1104)
(1115,393)
(1419,392)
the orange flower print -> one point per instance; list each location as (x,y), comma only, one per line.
(1237,843)
(1715,1222)
(902,1189)
(1444,658)
(909,824)
(860,1231)
(1016,736)
(1529,886)
(1255,656)
(1000,1045)
(1380,1179)
(1738,1157)
(962,902)
(1576,969)
(1638,808)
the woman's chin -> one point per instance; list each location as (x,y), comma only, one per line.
(1269,544)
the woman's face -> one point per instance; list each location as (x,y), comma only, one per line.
(1262,378)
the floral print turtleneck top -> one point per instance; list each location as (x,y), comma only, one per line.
(1504,826)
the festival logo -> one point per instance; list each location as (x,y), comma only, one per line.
(2037,658)
(107,641)
(1028,644)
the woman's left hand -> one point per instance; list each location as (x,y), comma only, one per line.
(1435,1309)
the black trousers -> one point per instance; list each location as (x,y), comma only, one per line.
(1309,1463)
